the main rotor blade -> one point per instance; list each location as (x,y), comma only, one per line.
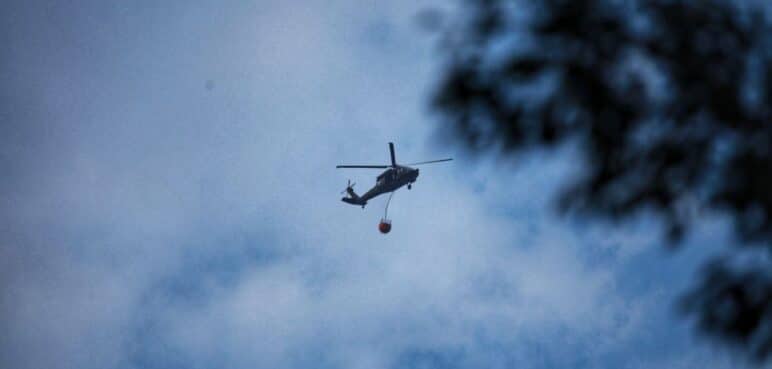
(391,151)
(363,166)
(430,161)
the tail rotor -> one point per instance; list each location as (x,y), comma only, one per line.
(349,186)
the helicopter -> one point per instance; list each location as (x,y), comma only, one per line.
(390,180)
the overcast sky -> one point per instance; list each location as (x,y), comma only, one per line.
(169,199)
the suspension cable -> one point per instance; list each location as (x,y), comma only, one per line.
(386,212)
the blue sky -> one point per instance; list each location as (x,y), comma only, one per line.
(152,222)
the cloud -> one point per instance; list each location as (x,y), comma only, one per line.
(152,222)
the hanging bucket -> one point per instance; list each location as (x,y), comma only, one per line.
(384,226)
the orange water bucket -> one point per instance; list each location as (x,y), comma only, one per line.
(384,226)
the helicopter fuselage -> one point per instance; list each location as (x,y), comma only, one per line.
(388,181)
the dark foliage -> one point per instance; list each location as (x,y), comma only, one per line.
(670,103)
(736,305)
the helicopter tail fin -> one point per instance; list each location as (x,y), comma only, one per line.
(353,198)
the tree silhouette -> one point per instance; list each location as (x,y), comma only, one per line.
(670,104)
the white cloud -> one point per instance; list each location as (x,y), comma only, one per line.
(191,227)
